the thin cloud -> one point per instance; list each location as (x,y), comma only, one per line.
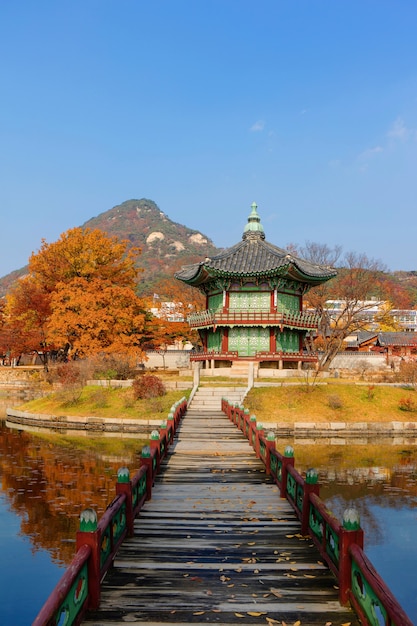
(371,152)
(258,126)
(399,130)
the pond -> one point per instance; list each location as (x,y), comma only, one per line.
(46,482)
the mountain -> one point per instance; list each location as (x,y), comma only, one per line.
(165,244)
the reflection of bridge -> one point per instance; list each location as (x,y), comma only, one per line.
(217,534)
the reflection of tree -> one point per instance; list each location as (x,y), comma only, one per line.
(48,485)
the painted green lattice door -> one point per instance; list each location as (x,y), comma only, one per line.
(249,341)
(249,301)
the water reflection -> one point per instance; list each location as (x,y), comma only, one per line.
(47,484)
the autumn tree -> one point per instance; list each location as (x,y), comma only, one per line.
(80,297)
(27,314)
(353,287)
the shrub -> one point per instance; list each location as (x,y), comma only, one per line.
(148,386)
(100,398)
(113,367)
(68,374)
(407,404)
(335,402)
(370,395)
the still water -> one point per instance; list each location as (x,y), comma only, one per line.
(46,482)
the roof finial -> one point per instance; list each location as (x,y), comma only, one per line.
(254,223)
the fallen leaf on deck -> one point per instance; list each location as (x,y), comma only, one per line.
(198,612)
(256,613)
(239,615)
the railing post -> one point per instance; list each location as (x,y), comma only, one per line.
(350,533)
(287,459)
(310,486)
(155,443)
(146,459)
(124,485)
(258,434)
(269,445)
(251,429)
(90,535)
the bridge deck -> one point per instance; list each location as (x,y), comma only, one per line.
(216,544)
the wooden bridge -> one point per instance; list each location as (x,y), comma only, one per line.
(215,543)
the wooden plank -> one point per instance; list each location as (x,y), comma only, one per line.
(216,544)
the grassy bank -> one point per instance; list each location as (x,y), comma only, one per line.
(98,401)
(333,402)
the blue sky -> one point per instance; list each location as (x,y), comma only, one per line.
(308,107)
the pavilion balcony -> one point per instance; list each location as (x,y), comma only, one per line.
(300,320)
(305,357)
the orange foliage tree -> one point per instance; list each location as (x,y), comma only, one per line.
(79,297)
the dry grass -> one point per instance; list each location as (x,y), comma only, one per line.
(333,402)
(98,401)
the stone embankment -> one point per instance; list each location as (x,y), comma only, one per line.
(66,424)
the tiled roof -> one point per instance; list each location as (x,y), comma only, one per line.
(397,339)
(254,256)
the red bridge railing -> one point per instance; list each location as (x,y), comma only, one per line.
(97,542)
(340,544)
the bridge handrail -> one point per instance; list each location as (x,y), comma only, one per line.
(79,588)
(370,594)
(340,547)
(72,586)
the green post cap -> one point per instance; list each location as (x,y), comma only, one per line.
(155,435)
(88,521)
(123,475)
(312,476)
(259,426)
(351,519)
(146,452)
(271,436)
(163,424)
(289,451)
(252,418)
(170,416)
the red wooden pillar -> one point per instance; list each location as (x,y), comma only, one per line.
(124,485)
(270,445)
(258,434)
(309,488)
(350,533)
(286,461)
(90,535)
(146,459)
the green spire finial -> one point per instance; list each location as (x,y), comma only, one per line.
(254,223)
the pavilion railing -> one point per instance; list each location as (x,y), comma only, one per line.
(339,544)
(289,319)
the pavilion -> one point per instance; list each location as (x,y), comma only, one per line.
(254,304)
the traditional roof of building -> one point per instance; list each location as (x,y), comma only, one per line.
(397,339)
(255,257)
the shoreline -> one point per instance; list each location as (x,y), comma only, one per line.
(403,432)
